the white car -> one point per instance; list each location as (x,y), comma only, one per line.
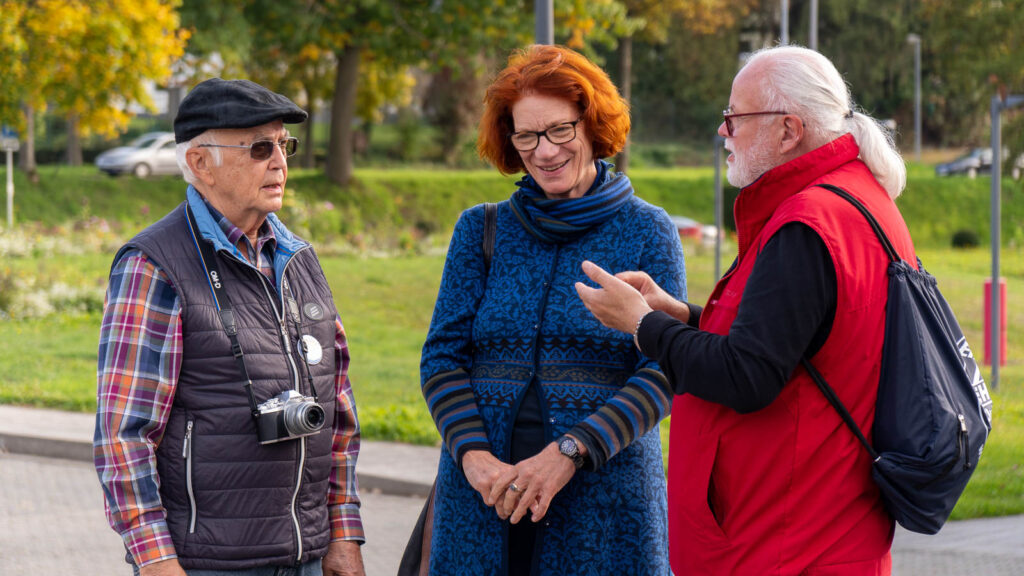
(149,154)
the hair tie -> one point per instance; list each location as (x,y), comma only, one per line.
(849,114)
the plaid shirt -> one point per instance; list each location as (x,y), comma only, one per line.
(139,360)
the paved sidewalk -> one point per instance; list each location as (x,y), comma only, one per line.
(52,522)
(388,467)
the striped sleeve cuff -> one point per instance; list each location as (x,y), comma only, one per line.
(149,543)
(630,413)
(347,524)
(453,407)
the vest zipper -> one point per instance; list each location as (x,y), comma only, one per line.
(186,453)
(966,441)
(283,330)
(279,312)
(295,496)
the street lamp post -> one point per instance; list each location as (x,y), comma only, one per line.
(915,41)
(544,22)
(718,145)
(9,144)
(999,104)
(784,23)
(813,32)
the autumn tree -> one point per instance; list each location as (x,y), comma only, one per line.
(971,51)
(656,17)
(89,60)
(477,39)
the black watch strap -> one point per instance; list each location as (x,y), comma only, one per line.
(568,447)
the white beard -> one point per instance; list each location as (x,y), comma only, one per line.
(749,166)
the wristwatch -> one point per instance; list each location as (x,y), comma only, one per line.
(567,446)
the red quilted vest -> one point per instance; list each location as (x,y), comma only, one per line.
(790,485)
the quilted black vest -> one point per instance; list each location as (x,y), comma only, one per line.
(231,502)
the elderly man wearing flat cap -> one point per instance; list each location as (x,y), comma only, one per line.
(226,432)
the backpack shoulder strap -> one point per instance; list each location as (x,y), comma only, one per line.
(819,380)
(490,231)
(833,399)
(889,250)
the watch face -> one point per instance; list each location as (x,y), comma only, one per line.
(568,447)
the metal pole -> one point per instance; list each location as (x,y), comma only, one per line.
(544,22)
(916,41)
(784,23)
(718,143)
(997,161)
(10,189)
(813,34)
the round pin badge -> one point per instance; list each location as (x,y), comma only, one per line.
(313,311)
(314,352)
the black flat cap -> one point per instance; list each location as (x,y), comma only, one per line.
(217,103)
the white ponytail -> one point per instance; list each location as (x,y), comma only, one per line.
(805,83)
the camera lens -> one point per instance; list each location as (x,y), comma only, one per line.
(303,418)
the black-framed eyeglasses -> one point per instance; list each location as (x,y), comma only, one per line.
(728,116)
(263,149)
(526,140)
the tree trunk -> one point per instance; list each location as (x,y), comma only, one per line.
(74,141)
(308,158)
(626,81)
(27,154)
(343,105)
(454,96)
(174,95)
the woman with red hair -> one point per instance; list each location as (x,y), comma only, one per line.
(552,460)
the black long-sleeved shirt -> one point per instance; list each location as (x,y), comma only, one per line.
(787,311)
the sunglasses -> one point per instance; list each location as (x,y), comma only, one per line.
(263,149)
(728,116)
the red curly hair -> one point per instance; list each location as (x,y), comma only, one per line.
(553,71)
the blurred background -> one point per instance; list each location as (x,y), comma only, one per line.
(400,81)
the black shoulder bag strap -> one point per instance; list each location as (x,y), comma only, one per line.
(222,301)
(827,390)
(490,231)
(416,558)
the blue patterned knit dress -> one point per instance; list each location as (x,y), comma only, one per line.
(493,334)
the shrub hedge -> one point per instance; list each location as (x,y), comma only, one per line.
(398,208)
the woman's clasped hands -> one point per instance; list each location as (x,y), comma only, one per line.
(514,490)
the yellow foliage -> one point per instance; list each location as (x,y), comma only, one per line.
(310,53)
(699,16)
(381,82)
(90,58)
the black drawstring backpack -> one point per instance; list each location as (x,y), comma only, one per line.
(933,412)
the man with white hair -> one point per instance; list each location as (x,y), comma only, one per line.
(226,433)
(764,477)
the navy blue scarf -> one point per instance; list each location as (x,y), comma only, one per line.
(564,220)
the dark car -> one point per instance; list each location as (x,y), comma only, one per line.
(970,164)
(979,161)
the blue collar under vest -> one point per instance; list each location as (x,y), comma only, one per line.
(287,244)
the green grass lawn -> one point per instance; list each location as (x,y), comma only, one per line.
(386,303)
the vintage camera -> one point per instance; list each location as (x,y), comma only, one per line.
(288,415)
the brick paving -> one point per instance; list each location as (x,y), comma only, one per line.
(52,522)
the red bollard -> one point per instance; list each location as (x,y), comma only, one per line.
(988,322)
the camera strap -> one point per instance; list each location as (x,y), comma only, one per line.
(221,300)
(297,318)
